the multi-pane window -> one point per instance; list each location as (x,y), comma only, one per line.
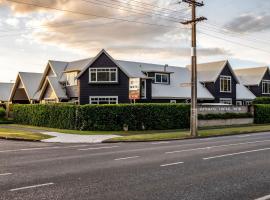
(265,87)
(103,100)
(103,75)
(225,101)
(162,78)
(71,78)
(225,83)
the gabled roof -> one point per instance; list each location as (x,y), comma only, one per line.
(58,67)
(209,72)
(96,57)
(30,82)
(179,86)
(78,65)
(136,69)
(56,87)
(5,90)
(251,76)
(243,93)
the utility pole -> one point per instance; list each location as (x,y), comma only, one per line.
(194,112)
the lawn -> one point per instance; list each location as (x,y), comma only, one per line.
(6,133)
(210,132)
(153,135)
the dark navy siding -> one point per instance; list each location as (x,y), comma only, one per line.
(257,90)
(214,88)
(120,89)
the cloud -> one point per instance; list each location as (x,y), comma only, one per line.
(87,34)
(250,23)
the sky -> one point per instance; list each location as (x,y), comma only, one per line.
(35,31)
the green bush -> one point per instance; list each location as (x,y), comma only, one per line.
(2,113)
(225,116)
(104,117)
(262,100)
(262,114)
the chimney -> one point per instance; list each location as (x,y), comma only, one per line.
(165,67)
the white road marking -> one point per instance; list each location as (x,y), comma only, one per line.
(264,198)
(97,148)
(126,158)
(218,146)
(5,174)
(42,148)
(171,164)
(33,186)
(238,153)
(165,142)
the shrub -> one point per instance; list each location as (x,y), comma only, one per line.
(262,114)
(225,116)
(104,117)
(262,100)
(2,113)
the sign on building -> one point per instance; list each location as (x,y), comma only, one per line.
(134,88)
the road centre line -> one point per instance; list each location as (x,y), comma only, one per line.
(238,153)
(126,158)
(97,148)
(217,146)
(267,197)
(171,164)
(30,187)
(42,148)
(5,174)
(164,142)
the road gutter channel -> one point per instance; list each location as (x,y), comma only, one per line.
(218,146)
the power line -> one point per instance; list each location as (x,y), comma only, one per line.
(233,42)
(86,14)
(138,11)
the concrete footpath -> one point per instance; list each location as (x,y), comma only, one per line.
(72,138)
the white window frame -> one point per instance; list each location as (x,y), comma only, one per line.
(145,95)
(104,68)
(99,97)
(227,78)
(239,103)
(248,103)
(263,86)
(161,74)
(225,99)
(75,80)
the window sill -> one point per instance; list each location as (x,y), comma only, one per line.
(103,83)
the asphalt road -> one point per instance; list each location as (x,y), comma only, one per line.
(233,167)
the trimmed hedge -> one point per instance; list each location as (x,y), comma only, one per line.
(262,100)
(2,113)
(104,117)
(262,114)
(225,116)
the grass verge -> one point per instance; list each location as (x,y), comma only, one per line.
(21,135)
(211,132)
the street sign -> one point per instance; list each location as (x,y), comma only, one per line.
(134,88)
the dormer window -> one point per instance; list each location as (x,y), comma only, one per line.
(162,78)
(103,75)
(71,78)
